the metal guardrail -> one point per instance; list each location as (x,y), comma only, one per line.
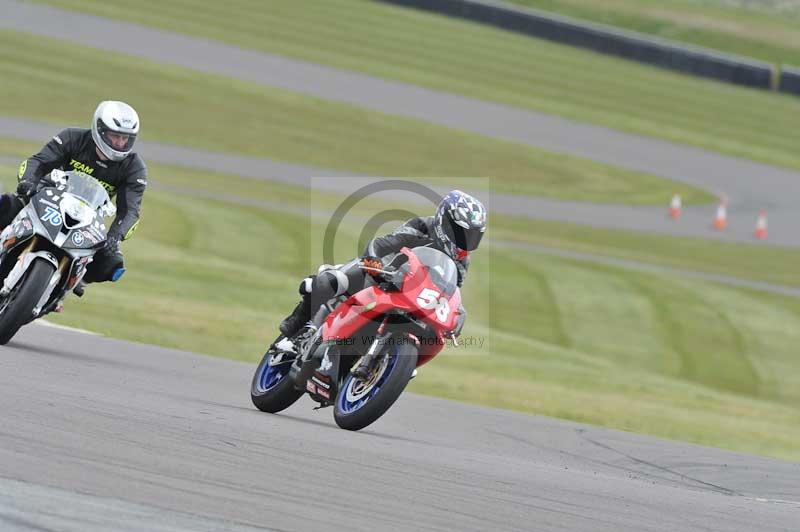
(687,59)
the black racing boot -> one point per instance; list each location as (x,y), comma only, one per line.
(319,317)
(79,289)
(303,366)
(304,337)
(295,321)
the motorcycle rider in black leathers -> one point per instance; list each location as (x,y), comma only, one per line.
(105,152)
(456,229)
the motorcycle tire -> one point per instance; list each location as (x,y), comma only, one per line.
(17,308)
(271,389)
(358,404)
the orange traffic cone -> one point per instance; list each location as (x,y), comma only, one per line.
(721,219)
(761,225)
(675,207)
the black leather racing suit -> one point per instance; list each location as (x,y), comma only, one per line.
(74,149)
(413,233)
(349,278)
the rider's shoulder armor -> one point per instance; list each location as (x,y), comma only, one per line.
(420,226)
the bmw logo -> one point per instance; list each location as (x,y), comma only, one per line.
(78,238)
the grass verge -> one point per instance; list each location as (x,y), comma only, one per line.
(491,64)
(187,108)
(769,31)
(746,261)
(772,264)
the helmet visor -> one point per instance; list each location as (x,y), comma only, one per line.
(466,238)
(122,142)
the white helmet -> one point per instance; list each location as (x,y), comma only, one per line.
(115,117)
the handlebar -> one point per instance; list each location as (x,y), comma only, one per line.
(378,270)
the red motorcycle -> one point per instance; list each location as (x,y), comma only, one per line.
(371,343)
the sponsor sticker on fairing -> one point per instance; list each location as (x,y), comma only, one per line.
(52,216)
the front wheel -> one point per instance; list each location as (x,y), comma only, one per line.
(360,403)
(16,309)
(272,389)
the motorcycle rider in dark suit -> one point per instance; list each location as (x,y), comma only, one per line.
(456,229)
(105,152)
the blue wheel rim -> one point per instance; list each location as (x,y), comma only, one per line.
(270,376)
(347,406)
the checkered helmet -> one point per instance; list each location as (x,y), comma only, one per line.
(459,223)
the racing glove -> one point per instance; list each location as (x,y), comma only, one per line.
(26,189)
(112,244)
(372,265)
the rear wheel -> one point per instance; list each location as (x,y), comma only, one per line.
(16,309)
(360,403)
(272,389)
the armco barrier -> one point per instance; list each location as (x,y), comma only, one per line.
(790,80)
(605,39)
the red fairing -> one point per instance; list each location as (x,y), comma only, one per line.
(419,296)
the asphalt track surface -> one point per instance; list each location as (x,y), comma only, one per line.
(99,435)
(749,186)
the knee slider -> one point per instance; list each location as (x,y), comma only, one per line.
(10,206)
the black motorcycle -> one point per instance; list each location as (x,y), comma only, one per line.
(45,250)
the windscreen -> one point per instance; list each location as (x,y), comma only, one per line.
(441,268)
(87,188)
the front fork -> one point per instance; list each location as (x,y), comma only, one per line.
(19,268)
(24,261)
(61,271)
(364,365)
